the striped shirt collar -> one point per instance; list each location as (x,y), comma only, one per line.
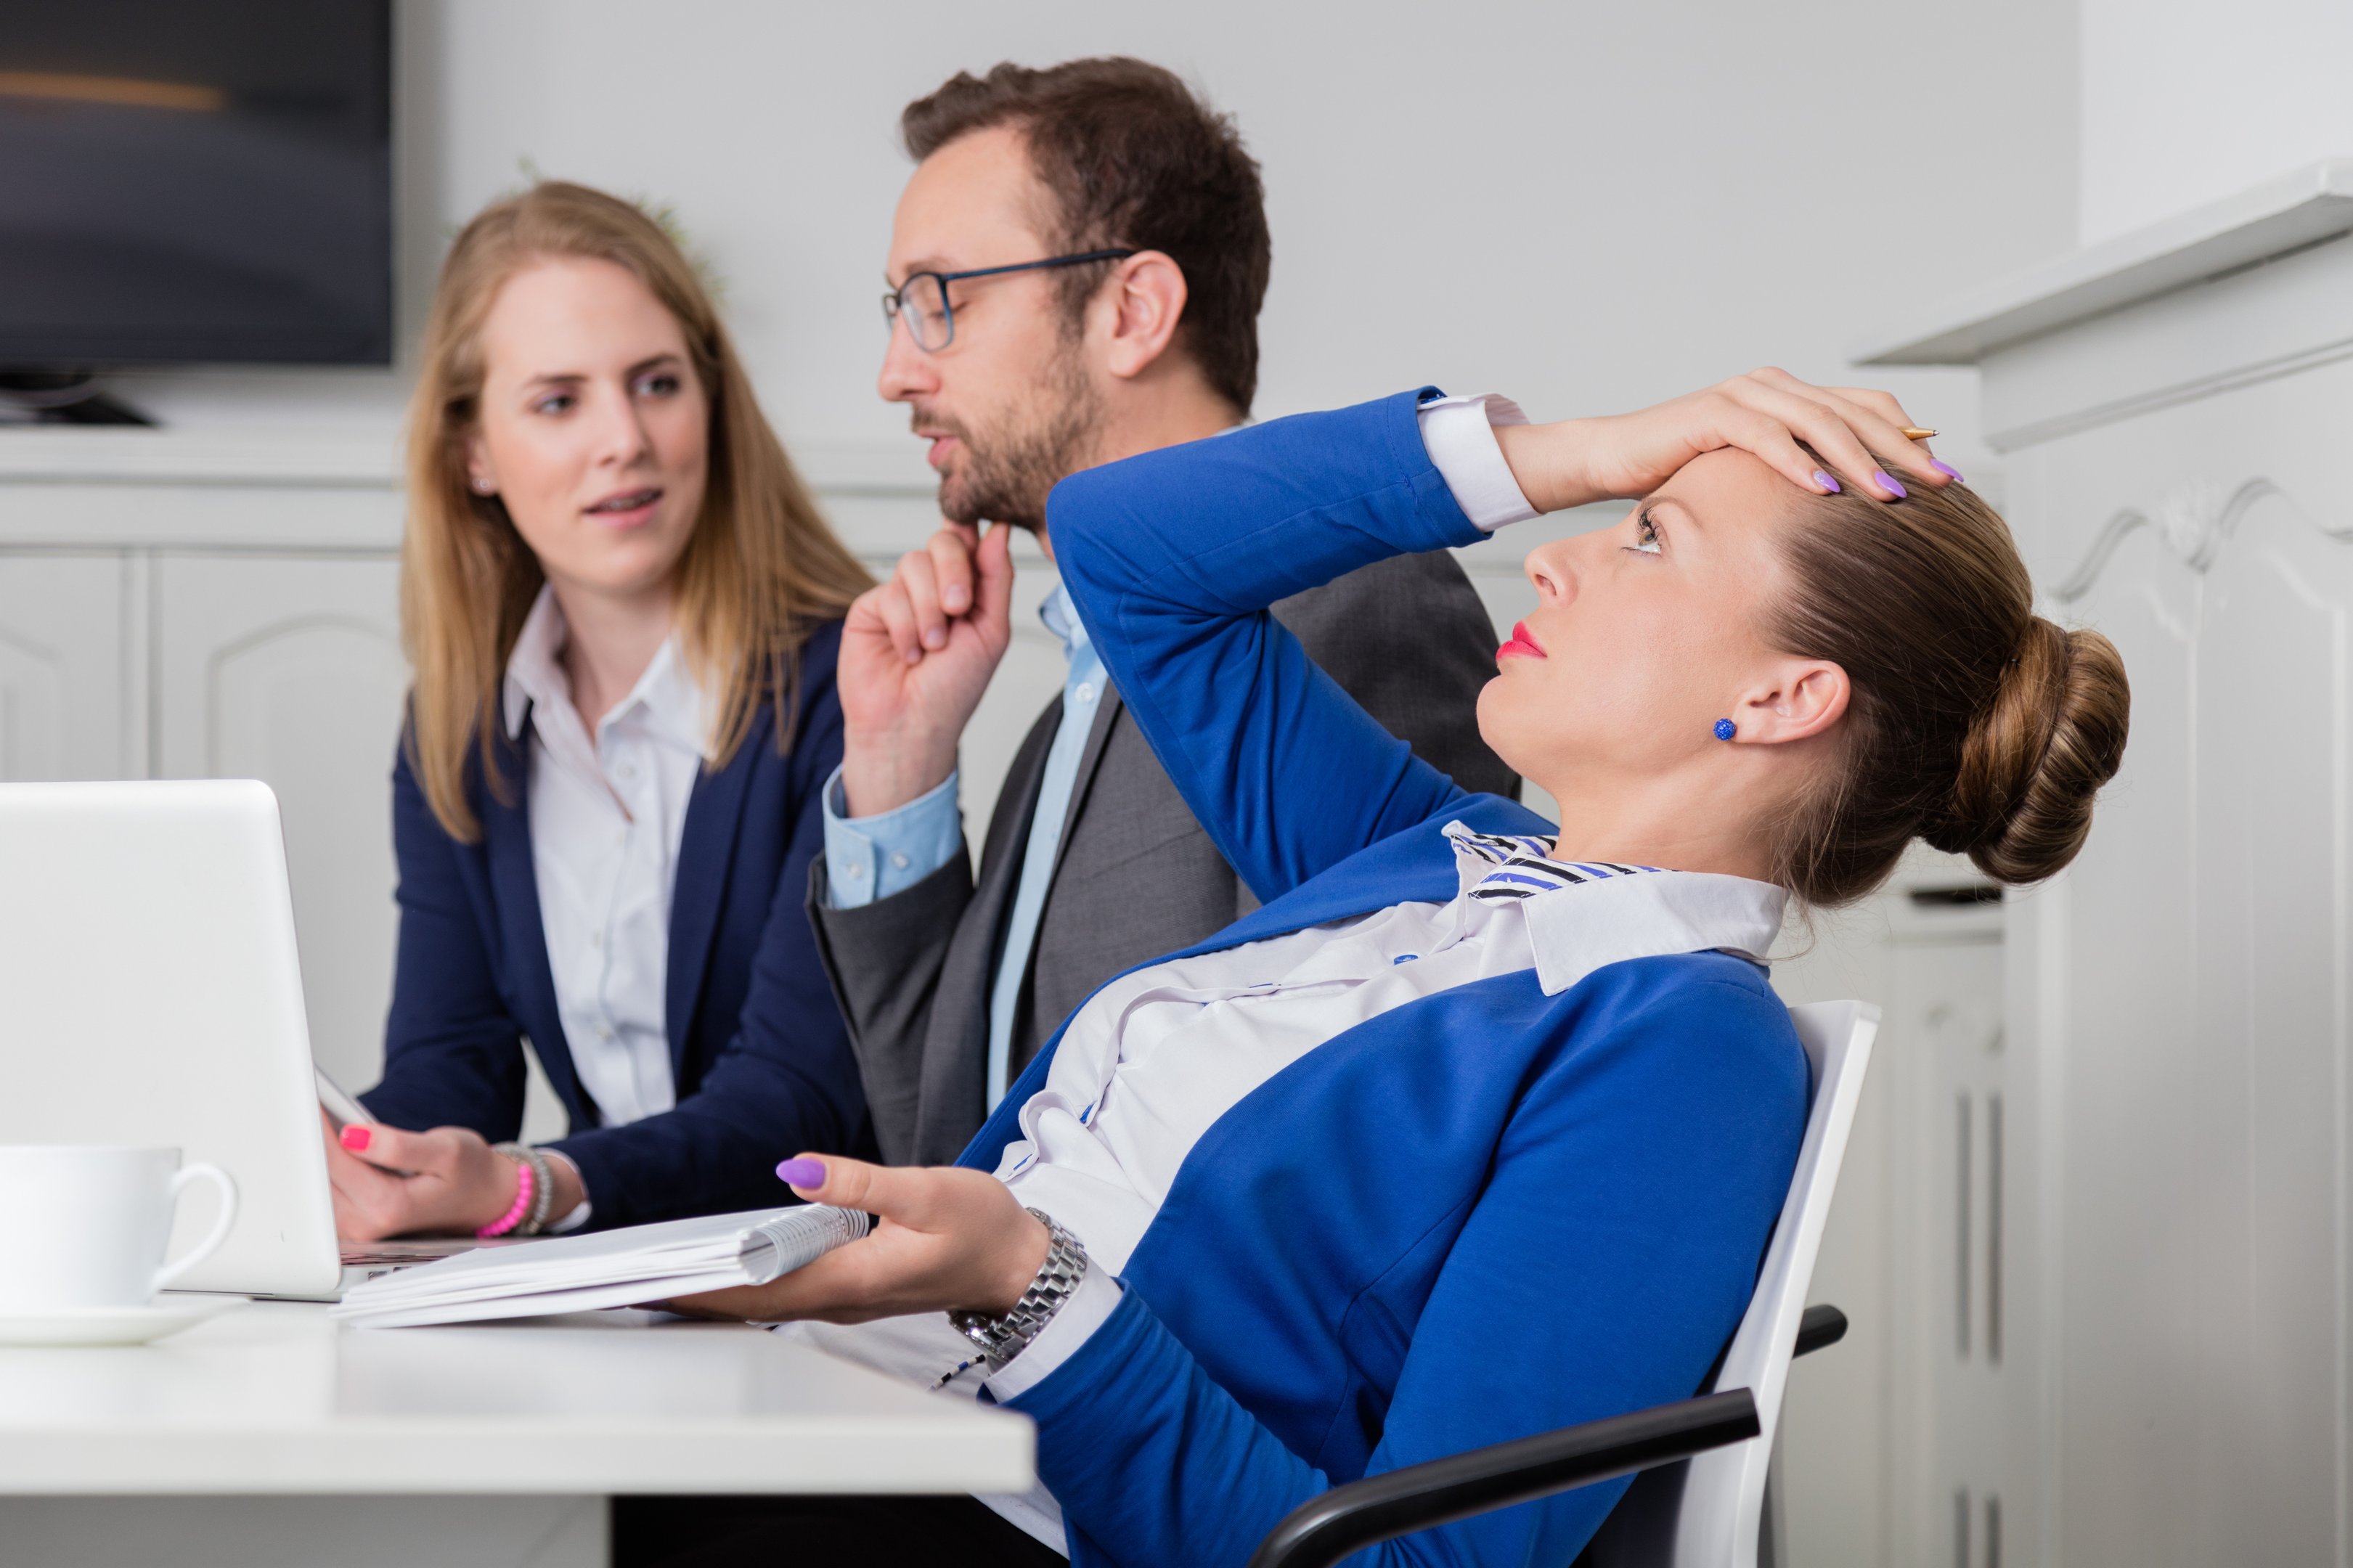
(1582,915)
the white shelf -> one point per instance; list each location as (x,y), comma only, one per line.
(2312,204)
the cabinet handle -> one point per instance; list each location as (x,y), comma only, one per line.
(1962,1253)
(1993,1235)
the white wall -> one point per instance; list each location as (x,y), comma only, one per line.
(2186,101)
(1588,206)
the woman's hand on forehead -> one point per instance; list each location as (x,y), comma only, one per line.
(1856,435)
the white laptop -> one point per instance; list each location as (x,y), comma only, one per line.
(150,993)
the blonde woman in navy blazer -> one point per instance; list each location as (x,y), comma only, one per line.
(623,610)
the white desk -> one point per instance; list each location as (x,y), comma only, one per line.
(273,1434)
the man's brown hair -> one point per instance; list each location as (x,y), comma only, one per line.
(1131,157)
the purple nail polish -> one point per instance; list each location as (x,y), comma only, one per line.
(1881,478)
(1947,469)
(801,1173)
(1822,477)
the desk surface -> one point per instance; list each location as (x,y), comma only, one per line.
(279,1398)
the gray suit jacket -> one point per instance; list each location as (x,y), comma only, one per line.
(1406,637)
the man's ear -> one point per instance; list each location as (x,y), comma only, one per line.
(1802,698)
(1142,306)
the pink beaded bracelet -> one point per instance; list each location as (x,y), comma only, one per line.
(513,1216)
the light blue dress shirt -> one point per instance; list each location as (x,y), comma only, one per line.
(872,857)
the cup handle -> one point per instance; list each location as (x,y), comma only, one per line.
(221,1222)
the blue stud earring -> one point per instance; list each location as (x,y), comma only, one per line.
(1725,730)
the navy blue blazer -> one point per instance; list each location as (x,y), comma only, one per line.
(757,1048)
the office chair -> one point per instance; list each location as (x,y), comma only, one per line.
(1701,1502)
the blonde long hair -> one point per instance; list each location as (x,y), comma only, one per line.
(759,571)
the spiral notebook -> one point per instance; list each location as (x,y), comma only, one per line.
(627,1267)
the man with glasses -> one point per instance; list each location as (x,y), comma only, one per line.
(1076,268)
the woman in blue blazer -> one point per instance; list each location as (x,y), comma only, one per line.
(1478,1127)
(623,610)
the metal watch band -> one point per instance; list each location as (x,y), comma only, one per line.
(1002,1338)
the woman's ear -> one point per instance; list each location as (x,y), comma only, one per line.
(479,478)
(1147,299)
(1804,698)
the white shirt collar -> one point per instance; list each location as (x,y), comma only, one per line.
(674,705)
(1617,913)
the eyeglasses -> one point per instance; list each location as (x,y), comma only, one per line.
(921,301)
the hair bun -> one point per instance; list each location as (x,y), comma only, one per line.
(2053,733)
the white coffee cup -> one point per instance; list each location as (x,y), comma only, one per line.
(87,1225)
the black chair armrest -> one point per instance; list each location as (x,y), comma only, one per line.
(1821,1326)
(1321,1530)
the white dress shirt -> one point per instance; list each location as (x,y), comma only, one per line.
(606,815)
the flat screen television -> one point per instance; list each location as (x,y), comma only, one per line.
(194,181)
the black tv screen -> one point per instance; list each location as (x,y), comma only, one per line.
(194,181)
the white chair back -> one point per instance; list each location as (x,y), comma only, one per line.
(1708,1511)
(1723,1504)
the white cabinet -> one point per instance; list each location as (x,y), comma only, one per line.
(2173,1386)
(178,604)
(64,704)
(288,670)
(1892,1446)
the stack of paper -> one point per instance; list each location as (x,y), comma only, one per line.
(626,1268)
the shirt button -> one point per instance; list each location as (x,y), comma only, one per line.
(628,770)
(898,862)
(596,938)
(604,1031)
(853,872)
(1085,694)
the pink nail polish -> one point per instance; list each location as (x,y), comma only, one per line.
(1947,469)
(1886,482)
(356,1138)
(1822,477)
(801,1173)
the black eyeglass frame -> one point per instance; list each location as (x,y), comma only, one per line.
(895,301)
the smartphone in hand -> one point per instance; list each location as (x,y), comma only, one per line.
(340,1107)
(342,1110)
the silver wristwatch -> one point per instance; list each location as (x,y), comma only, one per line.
(1001,1337)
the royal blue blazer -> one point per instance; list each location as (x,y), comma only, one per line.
(757,1047)
(1481,1216)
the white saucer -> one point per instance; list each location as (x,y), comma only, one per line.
(113,1325)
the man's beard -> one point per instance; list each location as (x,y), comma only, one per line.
(1003,475)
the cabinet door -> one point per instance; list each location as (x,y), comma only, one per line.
(288,671)
(63,709)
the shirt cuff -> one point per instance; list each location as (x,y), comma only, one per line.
(871,857)
(1459,433)
(1087,1308)
(563,1224)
